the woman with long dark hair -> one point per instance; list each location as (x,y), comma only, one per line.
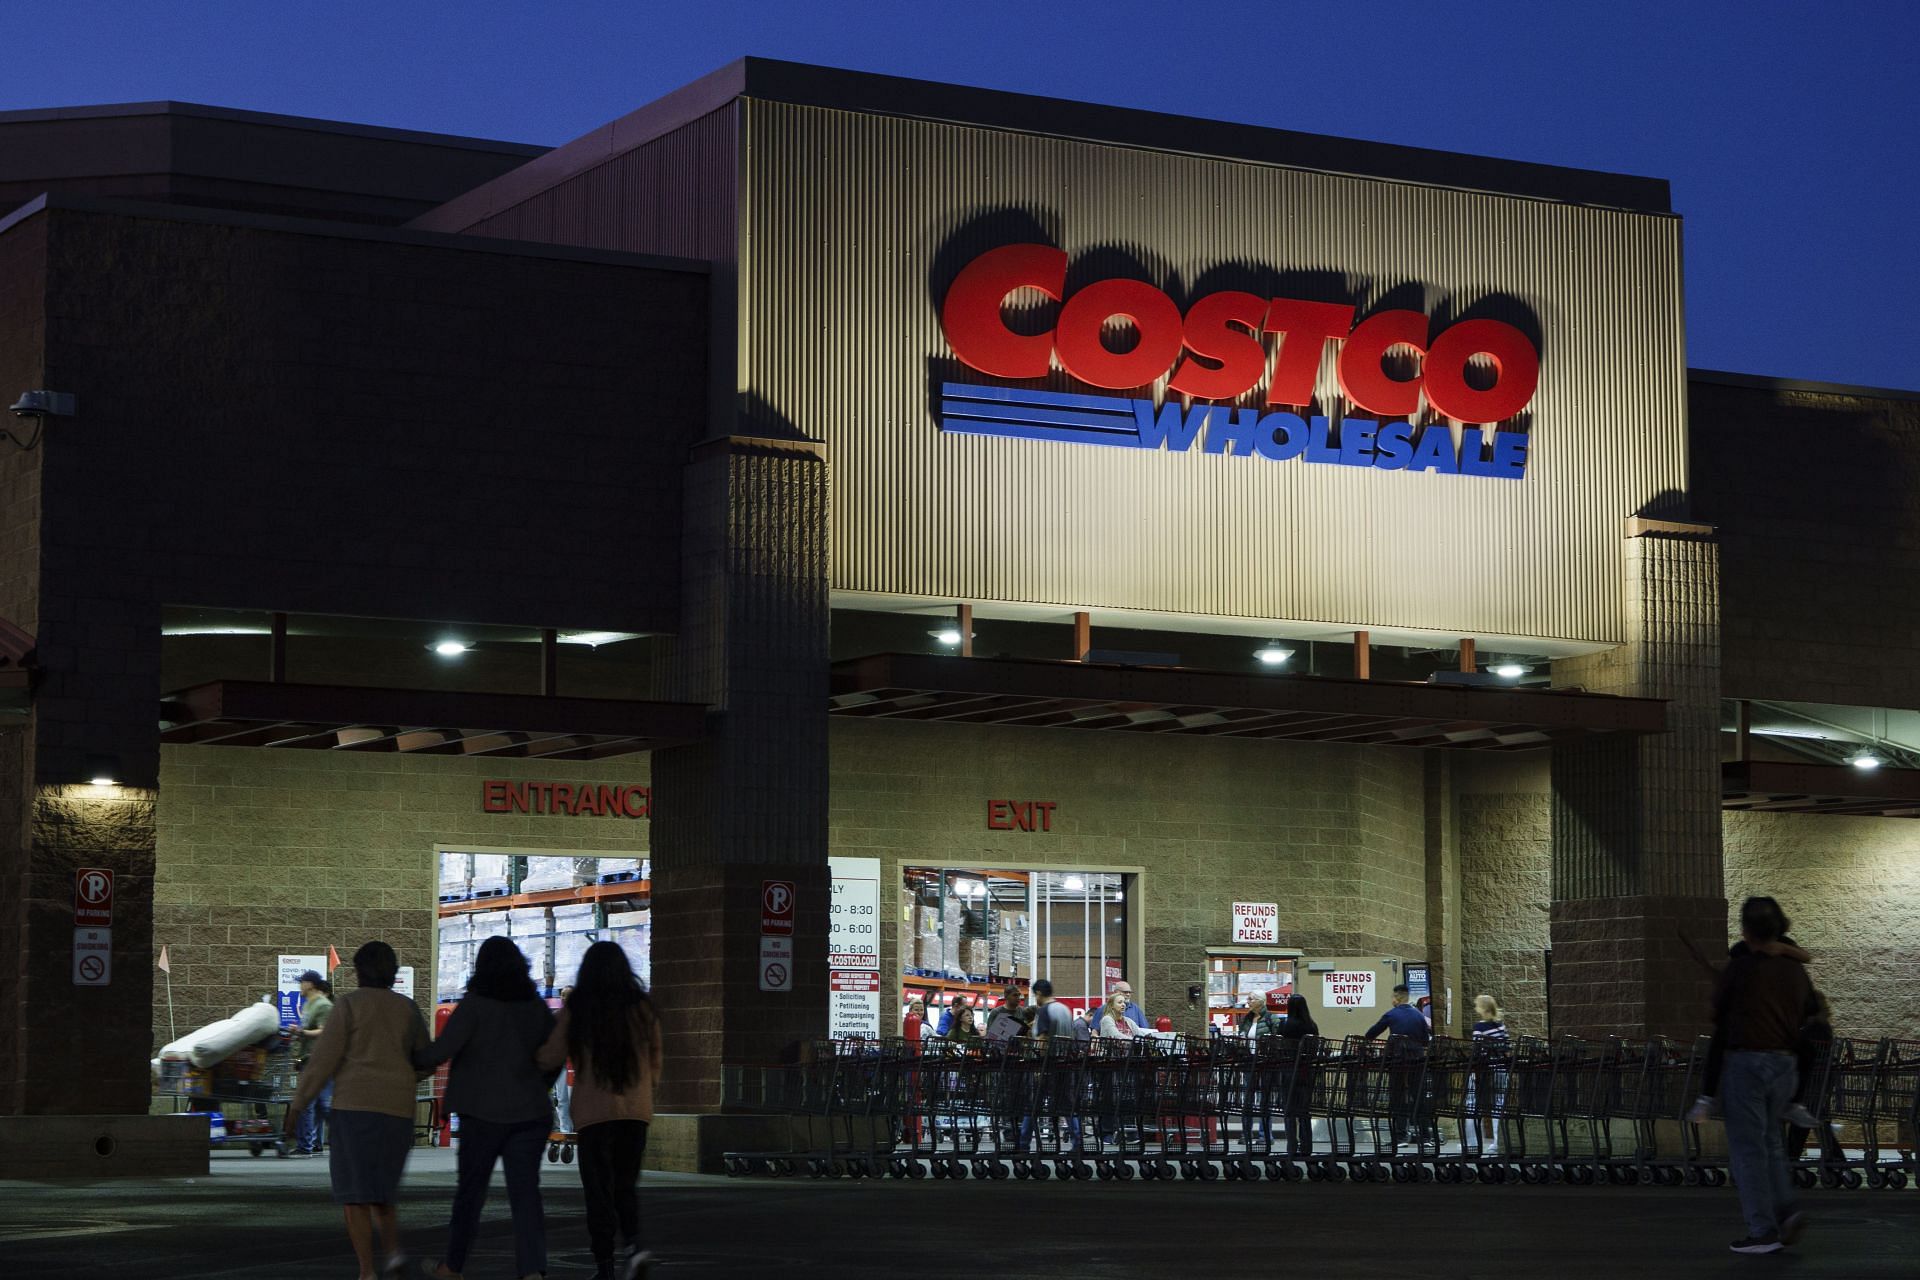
(500,1095)
(1304,1032)
(611,1032)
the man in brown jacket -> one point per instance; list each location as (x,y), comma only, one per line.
(1759,1006)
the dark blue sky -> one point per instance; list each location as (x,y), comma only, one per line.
(1790,131)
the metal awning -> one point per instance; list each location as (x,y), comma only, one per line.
(256,713)
(1763,786)
(1077,695)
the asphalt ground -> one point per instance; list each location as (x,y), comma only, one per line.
(273,1218)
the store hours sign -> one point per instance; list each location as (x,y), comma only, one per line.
(853,949)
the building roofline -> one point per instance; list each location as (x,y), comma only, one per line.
(804,84)
(1756,382)
(119,110)
(349,231)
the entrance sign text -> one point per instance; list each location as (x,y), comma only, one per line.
(581,799)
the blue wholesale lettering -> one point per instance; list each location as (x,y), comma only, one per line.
(1063,418)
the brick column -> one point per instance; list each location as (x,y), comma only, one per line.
(1452,1005)
(748,803)
(1636,821)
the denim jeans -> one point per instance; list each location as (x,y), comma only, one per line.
(517,1146)
(311,1133)
(1755,1089)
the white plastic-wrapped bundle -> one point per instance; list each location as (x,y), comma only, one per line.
(544,873)
(456,876)
(457,928)
(488,924)
(572,935)
(455,965)
(632,931)
(617,868)
(489,873)
(218,1041)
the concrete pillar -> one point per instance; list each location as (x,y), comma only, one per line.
(1636,821)
(749,803)
(1451,1004)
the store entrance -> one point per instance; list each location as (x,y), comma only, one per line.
(553,904)
(970,931)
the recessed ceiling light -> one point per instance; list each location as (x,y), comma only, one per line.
(1865,760)
(1510,670)
(1272,654)
(449,648)
(946,635)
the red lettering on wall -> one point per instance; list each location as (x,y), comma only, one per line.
(1021,815)
(585,799)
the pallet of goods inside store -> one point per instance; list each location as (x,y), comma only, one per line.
(553,907)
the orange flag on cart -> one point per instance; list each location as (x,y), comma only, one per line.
(162,963)
(333,961)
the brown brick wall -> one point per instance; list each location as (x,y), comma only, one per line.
(264,853)
(1505,863)
(1333,834)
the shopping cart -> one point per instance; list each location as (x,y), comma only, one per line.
(237,1095)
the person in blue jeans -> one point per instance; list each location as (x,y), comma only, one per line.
(500,1094)
(1406,1041)
(1053,1030)
(1758,1008)
(316,1004)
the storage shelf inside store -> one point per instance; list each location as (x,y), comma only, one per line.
(550,897)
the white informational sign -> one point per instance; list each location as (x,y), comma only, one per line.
(853,931)
(1257,922)
(853,1008)
(776,964)
(1352,990)
(92,957)
(403,981)
(290,968)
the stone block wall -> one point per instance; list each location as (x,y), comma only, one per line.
(1332,834)
(269,852)
(1849,885)
(1506,873)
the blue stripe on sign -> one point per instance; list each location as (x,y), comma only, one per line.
(1020,395)
(1037,416)
(1027,431)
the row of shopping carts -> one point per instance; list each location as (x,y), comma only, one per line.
(1580,1112)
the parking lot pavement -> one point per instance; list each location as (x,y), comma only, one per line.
(273,1218)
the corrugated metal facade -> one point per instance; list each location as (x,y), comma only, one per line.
(852,225)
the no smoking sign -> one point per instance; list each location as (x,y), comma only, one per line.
(92,957)
(776,964)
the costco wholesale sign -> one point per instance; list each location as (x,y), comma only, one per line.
(1475,373)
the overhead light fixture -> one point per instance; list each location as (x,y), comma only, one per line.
(450,648)
(103,771)
(594,639)
(1865,760)
(946,635)
(1073,883)
(1510,670)
(1272,654)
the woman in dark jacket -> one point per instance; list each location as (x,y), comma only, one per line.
(1298,1027)
(500,1095)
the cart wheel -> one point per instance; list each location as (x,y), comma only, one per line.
(1382,1173)
(1105,1170)
(1123,1170)
(1041,1171)
(1424,1173)
(1402,1173)
(1875,1179)
(1335,1172)
(939,1168)
(1233,1171)
(1149,1170)
(1083,1171)
(1804,1179)
(566,1153)
(1897,1178)
(1716,1177)
(1315,1173)
(1829,1179)
(1852,1179)
(1275,1172)
(1209,1171)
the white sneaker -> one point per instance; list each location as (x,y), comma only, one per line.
(638,1263)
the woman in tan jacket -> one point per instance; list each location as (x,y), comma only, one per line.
(367,1051)
(609,1029)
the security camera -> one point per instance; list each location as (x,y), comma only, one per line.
(43,404)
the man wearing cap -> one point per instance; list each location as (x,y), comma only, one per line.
(316,1002)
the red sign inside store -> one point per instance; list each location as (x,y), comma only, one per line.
(776,907)
(93,897)
(571,799)
(1020,815)
(854,980)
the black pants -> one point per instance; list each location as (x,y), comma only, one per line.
(518,1146)
(610,1155)
(1299,1126)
